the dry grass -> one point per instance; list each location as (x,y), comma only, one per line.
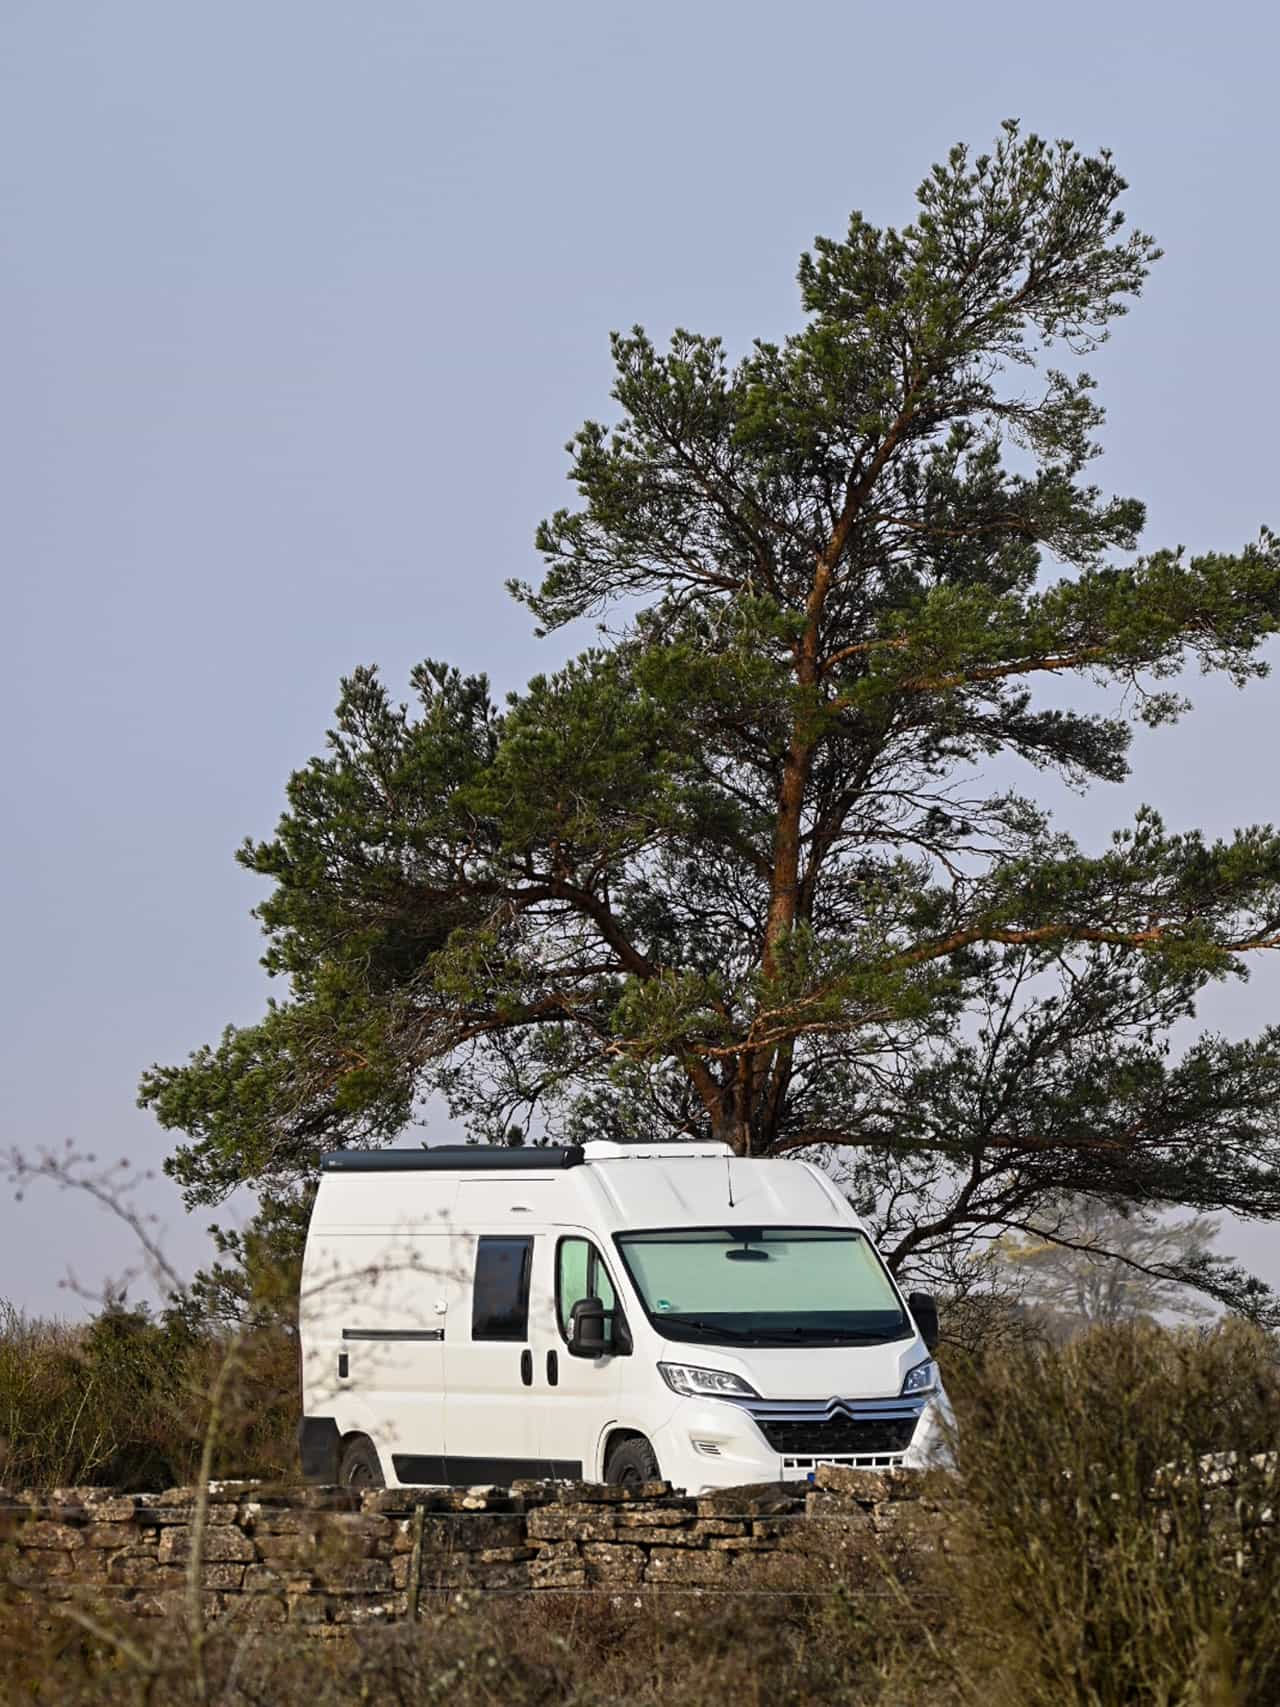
(1083,1572)
(589,1650)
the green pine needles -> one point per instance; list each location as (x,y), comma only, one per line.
(733,872)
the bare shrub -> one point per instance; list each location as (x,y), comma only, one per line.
(1119,1548)
(122,1401)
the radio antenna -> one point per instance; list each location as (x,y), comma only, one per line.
(728,1168)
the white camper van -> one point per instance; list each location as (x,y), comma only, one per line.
(603,1312)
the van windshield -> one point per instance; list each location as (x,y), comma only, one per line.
(764,1286)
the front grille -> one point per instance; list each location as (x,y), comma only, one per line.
(855,1461)
(842,1436)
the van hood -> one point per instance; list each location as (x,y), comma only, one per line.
(807,1372)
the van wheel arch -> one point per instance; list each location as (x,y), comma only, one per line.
(359,1465)
(639,1462)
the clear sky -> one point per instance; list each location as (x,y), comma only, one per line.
(299,302)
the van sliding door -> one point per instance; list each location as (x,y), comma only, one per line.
(491,1420)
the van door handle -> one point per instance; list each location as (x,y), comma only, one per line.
(553,1369)
(526,1368)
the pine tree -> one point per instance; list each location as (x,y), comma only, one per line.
(733,871)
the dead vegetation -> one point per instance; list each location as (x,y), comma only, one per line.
(1082,1570)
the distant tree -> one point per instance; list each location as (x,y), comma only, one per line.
(735,871)
(1089,1261)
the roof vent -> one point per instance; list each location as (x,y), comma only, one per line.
(606,1150)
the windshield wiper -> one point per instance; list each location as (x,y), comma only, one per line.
(704,1327)
(833,1336)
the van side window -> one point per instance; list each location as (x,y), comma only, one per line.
(500,1297)
(580,1273)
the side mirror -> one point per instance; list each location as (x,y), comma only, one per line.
(925,1311)
(586,1329)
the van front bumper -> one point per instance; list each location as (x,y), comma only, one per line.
(719,1443)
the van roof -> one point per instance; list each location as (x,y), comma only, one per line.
(602,1184)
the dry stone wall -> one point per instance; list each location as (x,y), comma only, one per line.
(328,1557)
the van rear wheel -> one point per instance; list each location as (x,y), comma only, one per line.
(359,1467)
(631,1462)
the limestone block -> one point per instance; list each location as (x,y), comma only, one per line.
(655,1516)
(396,1502)
(220,1494)
(781,1528)
(472,1574)
(41,1533)
(172,1506)
(266,1579)
(107,1535)
(577,1522)
(223,1576)
(877,1487)
(548,1577)
(286,1523)
(609,1564)
(609,1493)
(853,1529)
(36,1566)
(688,1566)
(666,1537)
(285,1549)
(257,1608)
(760,1499)
(68,1504)
(108,1507)
(222,1542)
(360,1576)
(140,1569)
(465,1534)
(531,1493)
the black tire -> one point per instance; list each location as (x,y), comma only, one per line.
(359,1467)
(632,1462)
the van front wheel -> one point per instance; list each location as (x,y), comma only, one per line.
(359,1467)
(631,1462)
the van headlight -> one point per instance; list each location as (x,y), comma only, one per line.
(922,1379)
(693,1383)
